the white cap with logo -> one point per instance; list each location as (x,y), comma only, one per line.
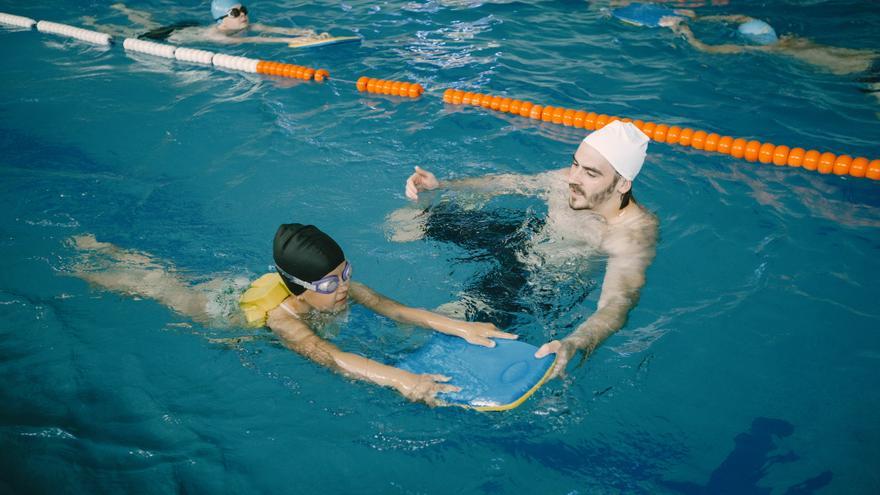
(623,145)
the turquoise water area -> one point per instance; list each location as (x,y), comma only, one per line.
(749,366)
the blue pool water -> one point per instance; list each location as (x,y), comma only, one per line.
(749,366)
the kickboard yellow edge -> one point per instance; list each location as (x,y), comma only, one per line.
(516,403)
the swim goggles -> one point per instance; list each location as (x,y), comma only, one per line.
(235,12)
(326,285)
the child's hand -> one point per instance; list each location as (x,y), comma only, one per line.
(478,333)
(425,387)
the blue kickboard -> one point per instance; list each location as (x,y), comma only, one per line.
(643,14)
(491,378)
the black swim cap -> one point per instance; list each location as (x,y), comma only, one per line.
(306,253)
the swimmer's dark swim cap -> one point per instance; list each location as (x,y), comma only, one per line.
(306,253)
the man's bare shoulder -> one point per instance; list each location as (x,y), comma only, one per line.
(635,236)
(648,218)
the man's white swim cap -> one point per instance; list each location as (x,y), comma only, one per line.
(623,145)
(219,8)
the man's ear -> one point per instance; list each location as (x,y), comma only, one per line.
(624,185)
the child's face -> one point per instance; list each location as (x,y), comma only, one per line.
(336,300)
(236,19)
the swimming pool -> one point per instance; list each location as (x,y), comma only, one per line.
(749,364)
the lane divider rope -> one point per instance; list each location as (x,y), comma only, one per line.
(17,20)
(750,150)
(740,148)
(81,34)
(386,87)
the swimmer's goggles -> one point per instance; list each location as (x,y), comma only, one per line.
(326,285)
(234,12)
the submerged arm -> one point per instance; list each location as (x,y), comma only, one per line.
(685,31)
(621,287)
(262,28)
(473,332)
(298,337)
(629,257)
(740,19)
(263,39)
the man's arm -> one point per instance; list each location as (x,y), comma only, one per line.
(298,337)
(473,332)
(422,180)
(630,255)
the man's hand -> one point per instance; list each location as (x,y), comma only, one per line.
(421,180)
(564,350)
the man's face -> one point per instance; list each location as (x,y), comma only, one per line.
(591,179)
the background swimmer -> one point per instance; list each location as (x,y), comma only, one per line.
(318,277)
(231,25)
(757,36)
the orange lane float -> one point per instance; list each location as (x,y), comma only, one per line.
(291,71)
(392,88)
(737,147)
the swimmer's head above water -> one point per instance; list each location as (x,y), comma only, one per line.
(752,31)
(230,15)
(605,165)
(312,266)
(758,32)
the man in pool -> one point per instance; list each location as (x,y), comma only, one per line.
(590,202)
(313,283)
(231,25)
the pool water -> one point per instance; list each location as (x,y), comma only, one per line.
(749,365)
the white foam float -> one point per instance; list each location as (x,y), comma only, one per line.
(242,64)
(192,55)
(17,20)
(74,32)
(149,47)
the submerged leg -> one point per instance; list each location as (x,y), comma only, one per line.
(492,241)
(140,21)
(139,17)
(111,29)
(138,274)
(406,224)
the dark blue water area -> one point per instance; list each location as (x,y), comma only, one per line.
(749,365)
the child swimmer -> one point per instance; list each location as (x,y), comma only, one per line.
(313,280)
(231,25)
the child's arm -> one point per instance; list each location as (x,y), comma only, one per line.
(473,332)
(264,39)
(262,28)
(298,337)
